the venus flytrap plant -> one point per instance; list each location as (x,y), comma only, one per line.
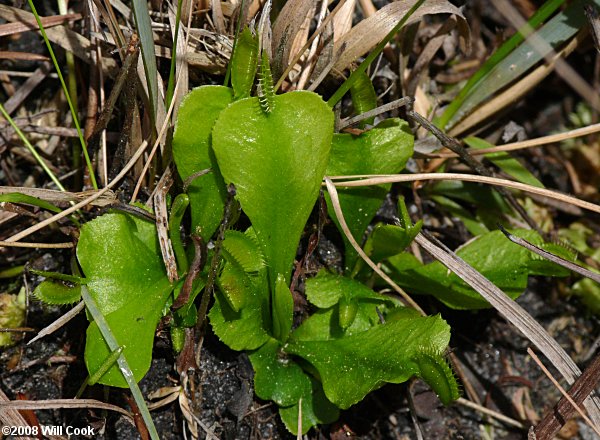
(275,149)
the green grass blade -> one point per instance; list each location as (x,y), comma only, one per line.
(68,96)
(371,57)
(513,60)
(144,27)
(31,149)
(171,84)
(237,34)
(123,365)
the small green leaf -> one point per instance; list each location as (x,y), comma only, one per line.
(388,240)
(28,200)
(266,92)
(243,249)
(326,289)
(246,328)
(120,257)
(56,292)
(283,310)
(508,267)
(277,377)
(364,97)
(316,410)
(192,154)
(353,366)
(348,308)
(12,315)
(235,285)
(277,162)
(383,150)
(244,63)
(177,338)
(436,372)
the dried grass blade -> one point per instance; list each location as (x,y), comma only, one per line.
(53,196)
(286,28)
(335,201)
(513,313)
(59,404)
(368,180)
(516,91)
(363,37)
(48,330)
(48,22)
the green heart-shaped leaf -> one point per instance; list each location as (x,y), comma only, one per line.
(121,260)
(192,154)
(276,161)
(383,150)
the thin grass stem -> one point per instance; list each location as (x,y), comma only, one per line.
(67,94)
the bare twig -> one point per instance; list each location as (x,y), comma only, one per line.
(162,224)
(567,405)
(544,140)
(376,111)
(550,256)
(455,146)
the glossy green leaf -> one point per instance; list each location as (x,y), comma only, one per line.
(244,63)
(353,366)
(246,328)
(388,240)
(277,162)
(283,309)
(326,289)
(347,307)
(56,292)
(28,200)
(383,150)
(505,162)
(236,286)
(364,97)
(347,311)
(435,371)
(316,410)
(243,249)
(503,262)
(120,257)
(277,377)
(192,154)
